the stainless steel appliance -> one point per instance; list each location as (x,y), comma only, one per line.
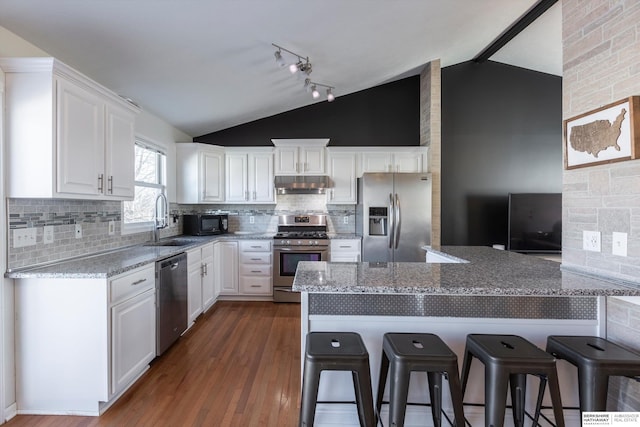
(393,216)
(171,300)
(205,224)
(299,238)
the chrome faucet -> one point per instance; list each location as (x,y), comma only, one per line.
(165,217)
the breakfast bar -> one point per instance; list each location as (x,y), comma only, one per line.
(463,290)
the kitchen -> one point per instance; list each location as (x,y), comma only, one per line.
(158,131)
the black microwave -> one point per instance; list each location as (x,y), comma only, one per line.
(205,224)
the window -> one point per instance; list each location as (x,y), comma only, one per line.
(150,181)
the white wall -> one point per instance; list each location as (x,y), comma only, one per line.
(149,127)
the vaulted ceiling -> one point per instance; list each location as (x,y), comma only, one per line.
(206,65)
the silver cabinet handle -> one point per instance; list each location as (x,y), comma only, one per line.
(256,247)
(100,182)
(255,286)
(256,259)
(256,271)
(137,282)
(110,180)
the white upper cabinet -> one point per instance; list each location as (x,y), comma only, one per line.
(343,174)
(249,177)
(300,156)
(200,173)
(394,159)
(67,136)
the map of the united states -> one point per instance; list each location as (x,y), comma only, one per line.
(597,136)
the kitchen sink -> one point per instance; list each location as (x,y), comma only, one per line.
(170,242)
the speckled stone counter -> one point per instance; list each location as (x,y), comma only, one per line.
(119,261)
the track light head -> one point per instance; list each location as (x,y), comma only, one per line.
(293,68)
(279,58)
(314,92)
(330,96)
(307,85)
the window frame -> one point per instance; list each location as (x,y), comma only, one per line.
(161,170)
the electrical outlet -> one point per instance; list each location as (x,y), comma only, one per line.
(24,237)
(112,228)
(345,220)
(48,234)
(252,219)
(619,244)
(78,231)
(591,241)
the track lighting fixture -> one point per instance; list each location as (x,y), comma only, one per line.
(303,66)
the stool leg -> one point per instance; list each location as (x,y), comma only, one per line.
(384,370)
(466,366)
(310,383)
(456,395)
(496,382)
(592,388)
(398,392)
(518,391)
(435,393)
(556,400)
(543,385)
(364,396)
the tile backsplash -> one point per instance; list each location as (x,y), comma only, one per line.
(94,216)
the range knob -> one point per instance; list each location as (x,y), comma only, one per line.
(299,242)
(315,242)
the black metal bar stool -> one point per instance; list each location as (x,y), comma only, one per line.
(407,352)
(508,359)
(336,351)
(597,359)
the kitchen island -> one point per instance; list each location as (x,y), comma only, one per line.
(471,290)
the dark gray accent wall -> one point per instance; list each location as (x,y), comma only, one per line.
(501,133)
(381,116)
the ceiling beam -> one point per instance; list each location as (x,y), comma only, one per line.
(516,28)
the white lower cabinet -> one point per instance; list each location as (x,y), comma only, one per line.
(255,267)
(228,268)
(345,250)
(80,342)
(200,281)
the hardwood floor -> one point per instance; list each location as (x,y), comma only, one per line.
(239,365)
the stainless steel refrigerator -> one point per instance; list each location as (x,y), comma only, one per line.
(393,216)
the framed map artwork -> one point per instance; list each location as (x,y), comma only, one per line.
(608,134)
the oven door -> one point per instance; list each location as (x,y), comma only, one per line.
(286,260)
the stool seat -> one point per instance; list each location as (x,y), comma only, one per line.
(596,359)
(407,352)
(508,359)
(336,351)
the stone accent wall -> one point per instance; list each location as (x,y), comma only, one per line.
(601,55)
(431,136)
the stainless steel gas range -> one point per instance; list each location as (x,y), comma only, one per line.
(299,238)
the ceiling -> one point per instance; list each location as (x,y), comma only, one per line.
(206,65)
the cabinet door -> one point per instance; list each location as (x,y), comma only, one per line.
(236,180)
(287,162)
(217,268)
(342,170)
(312,160)
(208,277)
(229,268)
(194,285)
(120,153)
(80,140)
(261,178)
(408,162)
(133,335)
(211,177)
(377,162)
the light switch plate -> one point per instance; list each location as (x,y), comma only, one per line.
(591,241)
(619,246)
(78,231)
(48,234)
(112,228)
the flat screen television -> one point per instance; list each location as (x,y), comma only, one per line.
(535,222)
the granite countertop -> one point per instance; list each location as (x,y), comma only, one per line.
(488,272)
(343,236)
(112,263)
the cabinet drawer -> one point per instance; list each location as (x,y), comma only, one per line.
(255,258)
(131,284)
(255,285)
(255,270)
(255,246)
(345,245)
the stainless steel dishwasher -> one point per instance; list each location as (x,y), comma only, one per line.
(171,300)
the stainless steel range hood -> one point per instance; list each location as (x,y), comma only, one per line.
(311,184)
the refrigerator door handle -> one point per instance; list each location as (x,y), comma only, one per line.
(398,221)
(391,222)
